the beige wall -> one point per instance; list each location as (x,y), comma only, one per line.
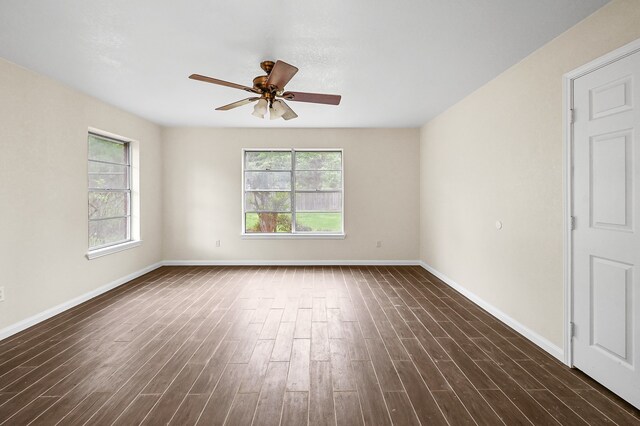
(43,194)
(203,190)
(497,155)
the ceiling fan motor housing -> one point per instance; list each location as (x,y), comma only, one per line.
(260,83)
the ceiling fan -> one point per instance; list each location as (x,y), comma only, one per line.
(271,93)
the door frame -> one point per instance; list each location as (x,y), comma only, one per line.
(567,176)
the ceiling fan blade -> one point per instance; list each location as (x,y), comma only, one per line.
(220,82)
(280,75)
(316,98)
(289,113)
(237,104)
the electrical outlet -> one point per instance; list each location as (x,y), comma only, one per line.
(217,243)
(378,244)
(1,294)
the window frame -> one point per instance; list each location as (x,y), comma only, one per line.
(129,241)
(294,234)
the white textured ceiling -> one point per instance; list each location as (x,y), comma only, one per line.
(395,63)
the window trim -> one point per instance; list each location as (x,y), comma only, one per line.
(131,240)
(293,234)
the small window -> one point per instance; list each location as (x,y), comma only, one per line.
(109,191)
(293,192)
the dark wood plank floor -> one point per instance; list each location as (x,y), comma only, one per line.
(291,346)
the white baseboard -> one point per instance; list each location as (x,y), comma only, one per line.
(35,319)
(290,262)
(534,337)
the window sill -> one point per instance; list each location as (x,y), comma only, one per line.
(112,249)
(274,236)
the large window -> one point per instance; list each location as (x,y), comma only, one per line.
(293,192)
(109,192)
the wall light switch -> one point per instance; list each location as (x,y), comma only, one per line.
(498,225)
(217,243)
(1,294)
(378,244)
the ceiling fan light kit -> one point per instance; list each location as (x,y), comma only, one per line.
(270,89)
(277,110)
(260,109)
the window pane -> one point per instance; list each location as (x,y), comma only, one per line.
(107,150)
(267,160)
(318,201)
(267,201)
(319,160)
(318,181)
(108,204)
(108,176)
(268,222)
(269,181)
(107,231)
(318,222)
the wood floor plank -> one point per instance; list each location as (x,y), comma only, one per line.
(256,369)
(372,402)
(509,365)
(334,324)
(425,365)
(452,408)
(481,412)
(290,312)
(347,406)
(298,378)
(190,410)
(271,324)
(31,410)
(218,406)
(383,366)
(534,411)
(319,342)
(400,408)
(475,375)
(247,344)
(208,379)
(295,411)
(342,375)
(428,342)
(347,311)
(303,324)
(321,408)
(426,408)
(399,325)
(563,414)
(269,409)
(242,410)
(83,411)
(357,347)
(391,341)
(284,342)
(138,410)
(506,410)
(171,399)
(319,309)
(605,405)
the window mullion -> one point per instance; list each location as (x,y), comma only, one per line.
(293,191)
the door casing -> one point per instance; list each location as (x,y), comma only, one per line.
(567,175)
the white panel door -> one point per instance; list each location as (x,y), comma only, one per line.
(606,239)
